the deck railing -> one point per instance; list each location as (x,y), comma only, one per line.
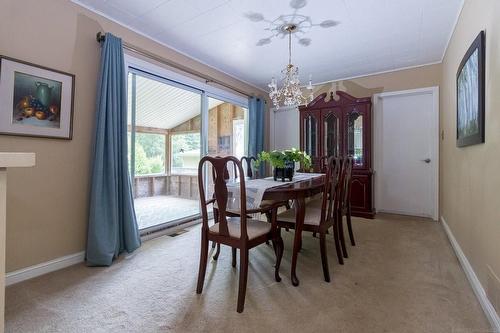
(179,185)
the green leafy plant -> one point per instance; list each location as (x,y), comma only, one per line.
(278,159)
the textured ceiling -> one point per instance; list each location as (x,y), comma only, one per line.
(357,37)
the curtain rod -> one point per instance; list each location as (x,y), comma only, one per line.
(208,79)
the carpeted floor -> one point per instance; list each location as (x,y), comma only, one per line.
(401,277)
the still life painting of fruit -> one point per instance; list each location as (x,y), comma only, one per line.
(37,101)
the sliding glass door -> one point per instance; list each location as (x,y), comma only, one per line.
(164,150)
(172,122)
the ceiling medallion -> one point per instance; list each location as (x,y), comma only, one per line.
(283,26)
(277,26)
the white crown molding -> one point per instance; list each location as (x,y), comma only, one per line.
(453,30)
(376,73)
(93,10)
(488,308)
(43,268)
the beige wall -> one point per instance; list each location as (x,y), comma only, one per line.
(47,205)
(419,77)
(470,178)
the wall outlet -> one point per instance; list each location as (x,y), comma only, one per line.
(493,289)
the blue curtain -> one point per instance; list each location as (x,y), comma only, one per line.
(112,225)
(256,116)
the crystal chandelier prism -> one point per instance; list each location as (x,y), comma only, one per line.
(290,93)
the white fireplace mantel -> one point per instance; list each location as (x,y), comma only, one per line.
(7,160)
(17,160)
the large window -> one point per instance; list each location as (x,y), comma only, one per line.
(164,149)
(167,114)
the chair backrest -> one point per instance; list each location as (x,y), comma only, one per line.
(331,189)
(248,160)
(346,181)
(323,163)
(227,175)
(221,195)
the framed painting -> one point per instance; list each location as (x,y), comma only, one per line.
(35,100)
(470,94)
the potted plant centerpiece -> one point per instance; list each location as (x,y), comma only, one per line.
(283,162)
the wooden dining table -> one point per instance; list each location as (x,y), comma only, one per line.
(298,192)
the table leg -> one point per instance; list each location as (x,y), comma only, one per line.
(300,209)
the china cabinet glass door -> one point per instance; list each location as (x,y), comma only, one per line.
(310,128)
(355,137)
(331,135)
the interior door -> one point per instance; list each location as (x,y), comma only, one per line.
(284,124)
(406,152)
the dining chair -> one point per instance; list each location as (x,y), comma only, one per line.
(237,232)
(227,177)
(235,212)
(249,167)
(250,174)
(320,219)
(323,162)
(345,206)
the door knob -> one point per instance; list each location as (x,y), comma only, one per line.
(427,160)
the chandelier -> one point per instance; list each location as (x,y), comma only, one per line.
(290,93)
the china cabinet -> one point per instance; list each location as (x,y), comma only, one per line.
(341,126)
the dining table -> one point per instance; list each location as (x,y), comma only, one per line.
(296,191)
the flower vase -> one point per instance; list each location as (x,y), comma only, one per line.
(285,173)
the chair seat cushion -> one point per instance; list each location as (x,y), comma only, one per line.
(313,216)
(255,228)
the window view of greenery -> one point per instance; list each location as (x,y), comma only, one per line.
(185,152)
(149,153)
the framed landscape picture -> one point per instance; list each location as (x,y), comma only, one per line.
(470,94)
(35,100)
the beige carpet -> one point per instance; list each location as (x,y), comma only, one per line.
(401,277)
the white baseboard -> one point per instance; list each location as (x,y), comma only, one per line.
(73,259)
(488,309)
(43,268)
